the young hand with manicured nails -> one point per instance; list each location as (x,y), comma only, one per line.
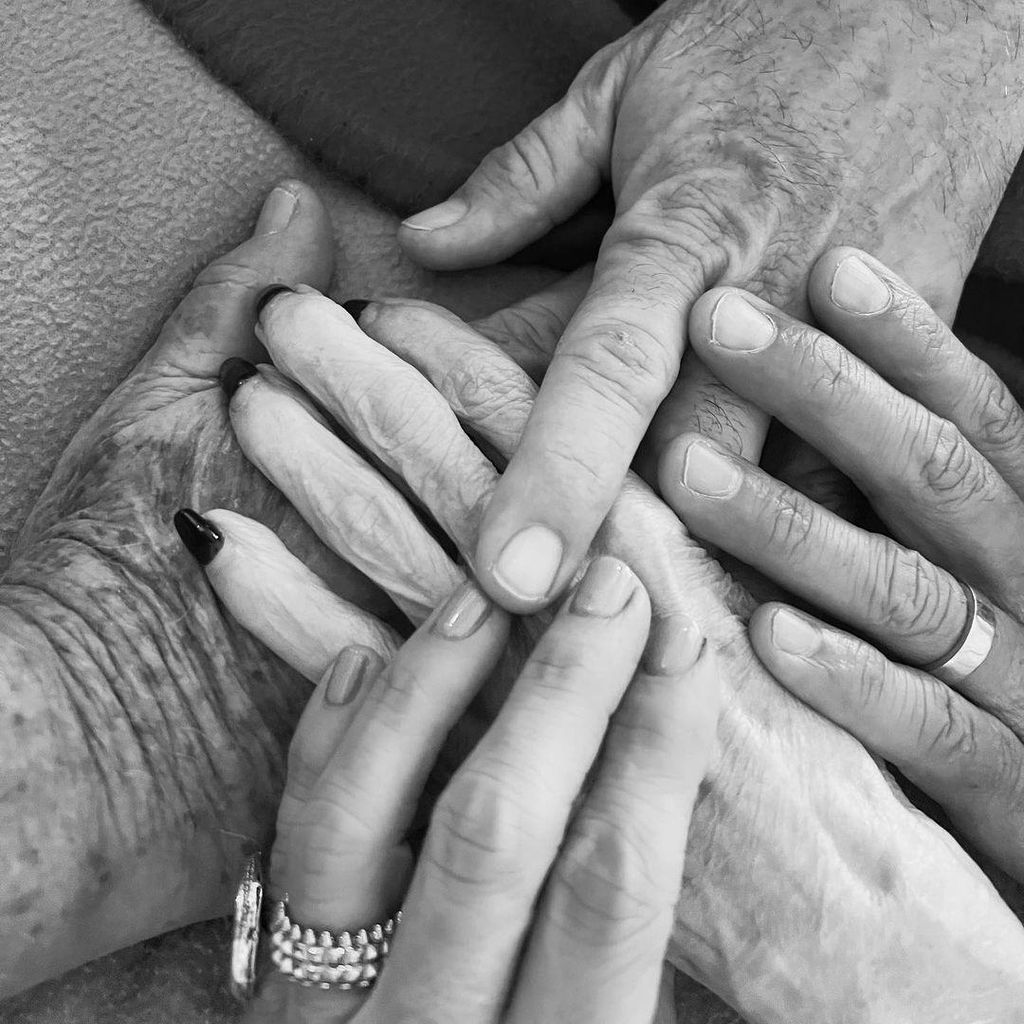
(806,889)
(935,441)
(546,884)
(739,140)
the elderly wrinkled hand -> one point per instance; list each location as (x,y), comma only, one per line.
(739,141)
(935,441)
(805,888)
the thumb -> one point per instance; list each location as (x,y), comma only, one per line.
(522,189)
(291,244)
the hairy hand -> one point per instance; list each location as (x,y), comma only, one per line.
(739,141)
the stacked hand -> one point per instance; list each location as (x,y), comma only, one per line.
(935,440)
(800,847)
(739,140)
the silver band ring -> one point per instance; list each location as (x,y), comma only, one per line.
(326,960)
(974,644)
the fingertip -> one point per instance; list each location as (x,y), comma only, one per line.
(846,281)
(523,573)
(700,325)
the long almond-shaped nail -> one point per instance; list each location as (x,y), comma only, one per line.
(605,589)
(463,613)
(349,675)
(199,535)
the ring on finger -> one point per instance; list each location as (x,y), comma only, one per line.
(327,960)
(972,646)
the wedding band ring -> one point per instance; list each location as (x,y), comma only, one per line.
(327,960)
(973,645)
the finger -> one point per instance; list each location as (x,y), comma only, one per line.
(486,389)
(927,482)
(292,243)
(615,363)
(387,405)
(350,506)
(357,815)
(269,592)
(528,331)
(903,601)
(956,753)
(498,826)
(522,189)
(345,863)
(607,910)
(884,321)
(699,403)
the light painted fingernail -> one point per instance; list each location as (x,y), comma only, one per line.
(793,634)
(462,614)
(348,674)
(708,472)
(674,646)
(605,589)
(737,325)
(277,212)
(858,289)
(529,563)
(443,216)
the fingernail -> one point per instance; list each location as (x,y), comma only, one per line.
(199,535)
(233,372)
(858,289)
(348,675)
(462,614)
(268,295)
(793,634)
(605,589)
(674,646)
(355,307)
(443,216)
(529,563)
(277,212)
(737,325)
(708,472)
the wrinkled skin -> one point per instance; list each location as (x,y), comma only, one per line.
(812,887)
(739,140)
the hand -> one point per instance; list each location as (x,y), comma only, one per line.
(144,733)
(776,842)
(542,892)
(738,143)
(935,440)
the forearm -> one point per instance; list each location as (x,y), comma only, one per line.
(121,815)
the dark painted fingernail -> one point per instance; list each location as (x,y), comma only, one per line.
(349,674)
(199,535)
(675,644)
(355,307)
(233,372)
(463,613)
(267,296)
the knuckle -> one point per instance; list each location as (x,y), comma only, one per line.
(948,465)
(626,364)
(955,736)
(478,833)
(1000,422)
(609,880)
(908,594)
(793,524)
(526,163)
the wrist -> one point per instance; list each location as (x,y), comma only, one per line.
(140,758)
